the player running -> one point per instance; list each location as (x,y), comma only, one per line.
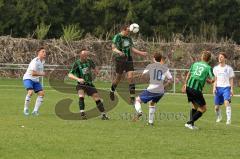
(199,73)
(156,72)
(122,47)
(82,73)
(223,87)
(31,81)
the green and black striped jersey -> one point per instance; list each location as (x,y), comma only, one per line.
(199,72)
(82,69)
(123,43)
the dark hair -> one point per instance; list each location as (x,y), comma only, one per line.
(206,55)
(40,48)
(158,57)
(224,54)
(124,27)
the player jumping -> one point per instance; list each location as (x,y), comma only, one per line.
(122,47)
(199,73)
(156,72)
(223,87)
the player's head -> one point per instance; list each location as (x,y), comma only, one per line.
(222,57)
(41,53)
(157,57)
(206,56)
(84,54)
(125,30)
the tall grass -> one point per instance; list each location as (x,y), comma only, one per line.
(71,32)
(42,30)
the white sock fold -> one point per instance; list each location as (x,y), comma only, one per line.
(138,106)
(38,103)
(27,102)
(151,114)
(228,112)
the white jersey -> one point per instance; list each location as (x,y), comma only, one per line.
(157,73)
(35,65)
(223,75)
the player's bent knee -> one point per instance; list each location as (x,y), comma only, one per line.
(41,93)
(30,92)
(96,97)
(138,99)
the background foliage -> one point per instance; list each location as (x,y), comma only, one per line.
(101,18)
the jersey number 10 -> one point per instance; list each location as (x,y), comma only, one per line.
(157,75)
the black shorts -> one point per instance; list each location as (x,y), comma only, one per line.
(123,64)
(196,97)
(87,88)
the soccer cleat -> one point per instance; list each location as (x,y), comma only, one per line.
(137,116)
(219,119)
(83,116)
(189,126)
(35,113)
(112,97)
(194,127)
(228,122)
(26,112)
(104,117)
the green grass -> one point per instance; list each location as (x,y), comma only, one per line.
(47,136)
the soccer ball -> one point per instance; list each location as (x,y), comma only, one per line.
(134,27)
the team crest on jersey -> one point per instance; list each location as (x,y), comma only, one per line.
(85,70)
(126,43)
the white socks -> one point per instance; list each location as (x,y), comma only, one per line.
(151,114)
(27,101)
(228,112)
(38,103)
(138,106)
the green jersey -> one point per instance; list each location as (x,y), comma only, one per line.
(199,72)
(123,43)
(83,70)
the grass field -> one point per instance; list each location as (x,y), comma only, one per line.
(48,136)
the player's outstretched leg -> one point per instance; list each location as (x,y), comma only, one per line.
(114,86)
(228,112)
(138,109)
(195,117)
(131,87)
(38,103)
(27,102)
(100,106)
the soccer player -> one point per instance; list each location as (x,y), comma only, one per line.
(199,73)
(156,72)
(82,72)
(31,81)
(122,47)
(223,87)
